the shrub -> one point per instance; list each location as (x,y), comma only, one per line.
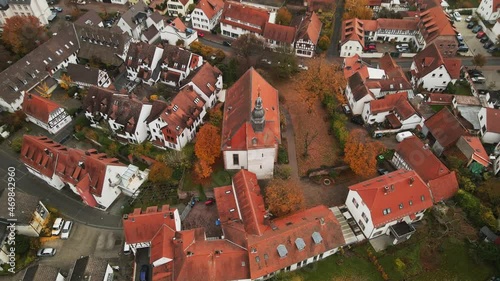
(282,155)
(283,171)
(22,244)
(17,144)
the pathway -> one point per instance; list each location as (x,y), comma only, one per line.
(290,139)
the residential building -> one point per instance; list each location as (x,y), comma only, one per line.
(413,154)
(238,19)
(491,99)
(178,7)
(443,130)
(30,213)
(175,31)
(91,18)
(279,37)
(496,28)
(45,113)
(141,23)
(251,126)
(394,109)
(490,127)
(26,73)
(90,267)
(41,272)
(207,83)
(124,115)
(85,76)
(175,124)
(308,32)
(270,5)
(353,38)
(474,151)
(207,14)
(467,107)
(432,72)
(389,204)
(353,64)
(97,179)
(37,8)
(489,10)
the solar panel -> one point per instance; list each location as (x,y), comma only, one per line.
(317,237)
(282,251)
(299,242)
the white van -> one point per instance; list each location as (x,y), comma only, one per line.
(126,248)
(403,46)
(403,135)
(66,229)
(56,228)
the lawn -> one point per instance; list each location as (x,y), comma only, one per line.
(219,177)
(437,108)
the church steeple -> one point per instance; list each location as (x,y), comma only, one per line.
(258,120)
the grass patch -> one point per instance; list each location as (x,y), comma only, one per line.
(437,108)
(463,90)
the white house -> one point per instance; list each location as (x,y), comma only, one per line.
(389,204)
(353,38)
(251,126)
(238,19)
(178,7)
(357,93)
(279,37)
(37,8)
(432,72)
(207,14)
(45,113)
(141,23)
(174,125)
(308,31)
(489,10)
(490,125)
(31,214)
(207,83)
(177,30)
(86,76)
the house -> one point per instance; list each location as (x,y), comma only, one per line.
(490,127)
(207,83)
(123,115)
(468,108)
(279,37)
(91,18)
(37,8)
(140,23)
(389,204)
(353,64)
(251,126)
(474,151)
(207,14)
(176,31)
(394,109)
(86,76)
(413,154)
(97,179)
(178,8)
(175,124)
(308,31)
(270,5)
(254,246)
(432,72)
(443,130)
(238,19)
(496,28)
(25,74)
(439,99)
(88,266)
(41,272)
(489,10)
(492,99)
(45,113)
(30,213)
(353,38)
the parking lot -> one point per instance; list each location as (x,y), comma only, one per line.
(203,216)
(475,46)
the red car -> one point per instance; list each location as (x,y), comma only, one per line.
(201,34)
(370,48)
(210,201)
(480,34)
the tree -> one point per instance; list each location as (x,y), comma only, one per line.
(357,9)
(283,16)
(284,197)
(389,14)
(324,42)
(153,97)
(65,82)
(179,42)
(14,121)
(6,57)
(43,90)
(361,152)
(285,64)
(159,172)
(247,44)
(144,148)
(17,144)
(207,146)
(215,117)
(479,60)
(202,169)
(22,34)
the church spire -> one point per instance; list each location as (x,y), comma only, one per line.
(257,119)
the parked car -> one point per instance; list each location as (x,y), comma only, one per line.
(382,171)
(488,45)
(266,61)
(493,49)
(226,43)
(187,18)
(143,275)
(470,25)
(126,248)
(357,119)
(477,28)
(402,46)
(475,72)
(460,37)
(484,39)
(210,201)
(468,19)
(66,229)
(46,252)
(478,80)
(346,109)
(371,44)
(57,226)
(463,48)
(403,135)
(370,47)
(457,16)
(480,34)
(201,34)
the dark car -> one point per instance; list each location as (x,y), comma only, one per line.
(477,28)
(463,48)
(357,119)
(226,43)
(470,25)
(493,49)
(382,171)
(484,39)
(488,45)
(475,73)
(143,275)
(210,201)
(169,21)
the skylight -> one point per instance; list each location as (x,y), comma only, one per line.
(299,242)
(282,251)
(316,236)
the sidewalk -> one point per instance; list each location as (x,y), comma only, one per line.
(290,138)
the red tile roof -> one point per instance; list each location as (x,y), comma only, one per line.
(439,99)
(40,153)
(444,187)
(397,24)
(177,22)
(478,152)
(210,7)
(206,77)
(394,102)
(234,12)
(237,130)
(453,66)
(434,22)
(391,68)
(38,107)
(355,64)
(309,28)
(161,244)
(403,192)
(279,33)
(428,60)
(142,226)
(492,120)
(353,30)
(445,127)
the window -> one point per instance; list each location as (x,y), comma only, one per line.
(422,198)
(236,159)
(410,203)
(401,206)
(377,233)
(433,74)
(441,75)
(386,211)
(364,217)
(361,224)
(355,202)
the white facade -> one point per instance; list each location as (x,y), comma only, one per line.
(54,181)
(172,34)
(58,119)
(435,81)
(487,136)
(258,161)
(356,106)
(487,11)
(351,48)
(409,123)
(209,101)
(304,48)
(201,21)
(37,8)
(13,106)
(177,8)
(496,29)
(134,32)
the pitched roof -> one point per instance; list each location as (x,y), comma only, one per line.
(237,130)
(309,28)
(88,266)
(205,78)
(240,15)
(157,109)
(440,98)
(210,7)
(279,33)
(492,120)
(478,152)
(453,66)
(39,108)
(358,87)
(434,23)
(135,13)
(83,74)
(397,24)
(89,18)
(40,153)
(355,64)
(394,102)
(428,60)
(391,68)
(142,226)
(403,192)
(26,205)
(40,272)
(445,127)
(102,43)
(353,30)
(444,187)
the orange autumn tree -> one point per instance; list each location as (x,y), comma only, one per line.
(361,153)
(66,81)
(284,197)
(22,34)
(159,172)
(357,9)
(206,149)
